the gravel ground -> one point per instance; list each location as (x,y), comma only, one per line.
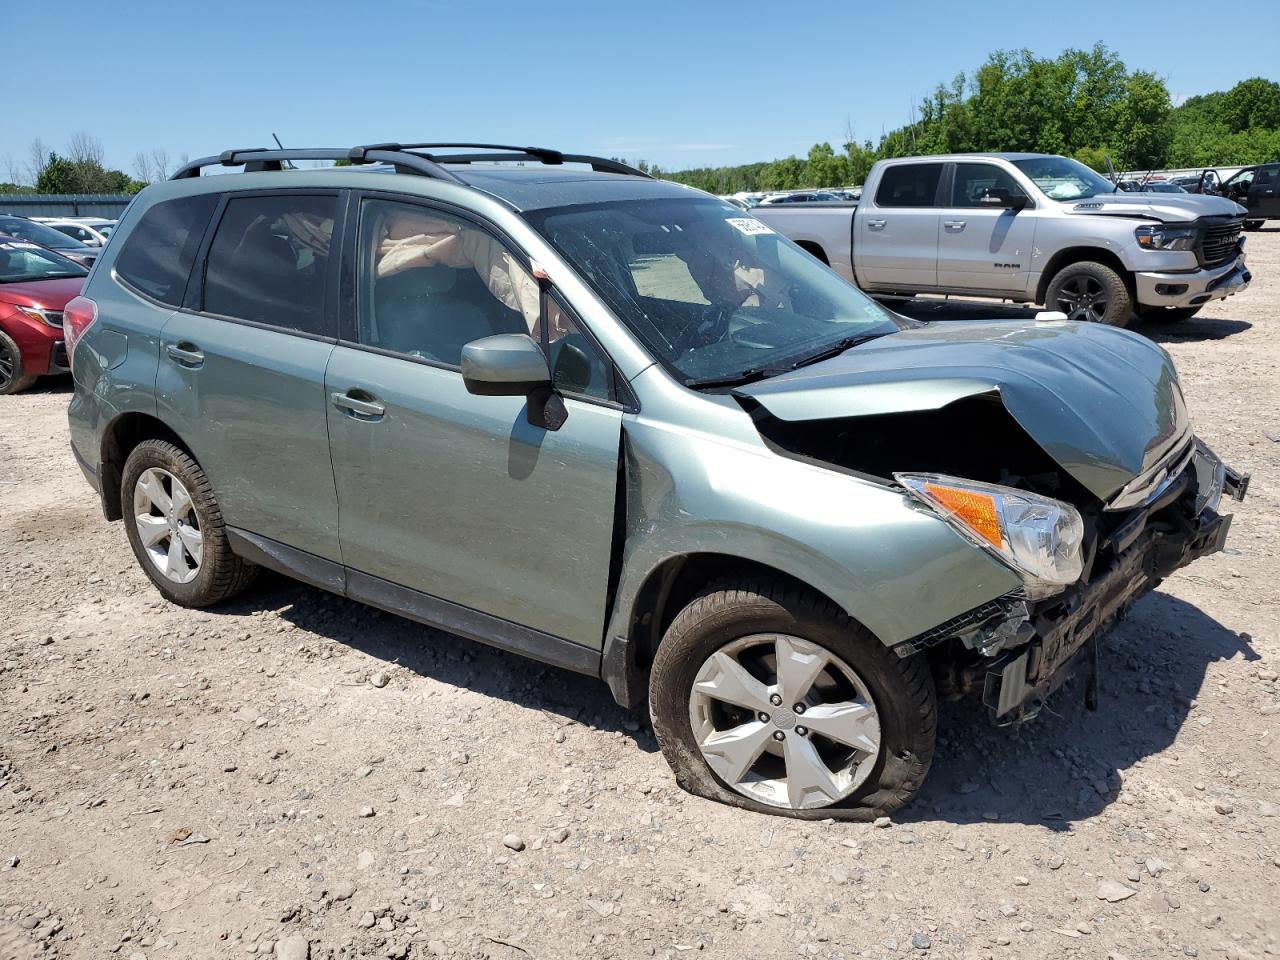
(295,774)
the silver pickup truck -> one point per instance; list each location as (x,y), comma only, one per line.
(1030,228)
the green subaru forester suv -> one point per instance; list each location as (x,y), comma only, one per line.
(546,402)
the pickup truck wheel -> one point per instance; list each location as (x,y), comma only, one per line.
(767,697)
(1167,314)
(12,379)
(175,527)
(1090,292)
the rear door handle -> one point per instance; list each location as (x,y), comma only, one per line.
(875,224)
(185,353)
(954,224)
(363,407)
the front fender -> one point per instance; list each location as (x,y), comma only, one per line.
(891,565)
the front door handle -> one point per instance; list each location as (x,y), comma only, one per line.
(954,224)
(875,224)
(185,353)
(359,404)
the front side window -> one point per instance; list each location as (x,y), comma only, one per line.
(430,283)
(1059,178)
(909,185)
(159,252)
(269,260)
(24,262)
(975,181)
(712,293)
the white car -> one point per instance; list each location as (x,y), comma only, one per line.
(91,231)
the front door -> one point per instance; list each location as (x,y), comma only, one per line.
(895,245)
(241,375)
(981,247)
(1264,194)
(454,496)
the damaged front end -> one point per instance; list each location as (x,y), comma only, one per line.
(1015,652)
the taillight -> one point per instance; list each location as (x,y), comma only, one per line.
(77,317)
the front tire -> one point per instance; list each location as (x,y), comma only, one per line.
(1167,314)
(1091,292)
(768,697)
(175,527)
(1253,224)
(13,379)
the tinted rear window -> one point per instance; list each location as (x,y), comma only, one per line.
(160,250)
(269,260)
(909,185)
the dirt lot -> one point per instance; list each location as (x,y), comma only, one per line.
(294,772)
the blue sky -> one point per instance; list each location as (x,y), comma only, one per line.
(682,84)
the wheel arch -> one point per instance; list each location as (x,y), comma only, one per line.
(814,249)
(119,439)
(664,592)
(1072,255)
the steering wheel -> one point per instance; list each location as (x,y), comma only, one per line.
(710,327)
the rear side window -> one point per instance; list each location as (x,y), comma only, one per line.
(909,185)
(269,260)
(160,250)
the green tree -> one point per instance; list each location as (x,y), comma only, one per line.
(1252,103)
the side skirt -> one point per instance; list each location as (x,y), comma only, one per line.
(414,604)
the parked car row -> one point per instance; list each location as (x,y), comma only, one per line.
(35,286)
(46,235)
(747,199)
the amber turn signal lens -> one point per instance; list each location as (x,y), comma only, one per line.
(976,510)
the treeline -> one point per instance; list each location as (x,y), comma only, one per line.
(1084,104)
(81,168)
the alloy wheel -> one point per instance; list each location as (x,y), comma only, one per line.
(1083,298)
(7,361)
(167,525)
(784,721)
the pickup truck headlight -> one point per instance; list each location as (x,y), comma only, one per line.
(1163,237)
(1037,536)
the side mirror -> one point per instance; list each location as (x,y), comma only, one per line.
(1011,201)
(513,365)
(506,365)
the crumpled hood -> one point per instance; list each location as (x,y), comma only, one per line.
(1104,403)
(1165,207)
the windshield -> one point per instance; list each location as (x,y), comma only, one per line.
(714,294)
(21,262)
(38,233)
(1061,179)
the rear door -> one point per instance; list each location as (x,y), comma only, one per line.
(896,243)
(984,248)
(456,497)
(241,374)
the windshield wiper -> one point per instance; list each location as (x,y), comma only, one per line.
(837,348)
(733,379)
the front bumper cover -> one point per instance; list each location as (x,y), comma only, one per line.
(1192,288)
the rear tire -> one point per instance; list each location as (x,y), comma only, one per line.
(898,691)
(1167,314)
(1090,292)
(202,554)
(12,377)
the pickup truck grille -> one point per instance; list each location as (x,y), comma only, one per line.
(1219,241)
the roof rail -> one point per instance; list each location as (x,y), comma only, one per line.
(404,157)
(256,159)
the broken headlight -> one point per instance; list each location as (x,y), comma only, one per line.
(1037,536)
(1164,237)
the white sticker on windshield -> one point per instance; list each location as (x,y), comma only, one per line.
(748,225)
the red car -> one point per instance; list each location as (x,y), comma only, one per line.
(35,284)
